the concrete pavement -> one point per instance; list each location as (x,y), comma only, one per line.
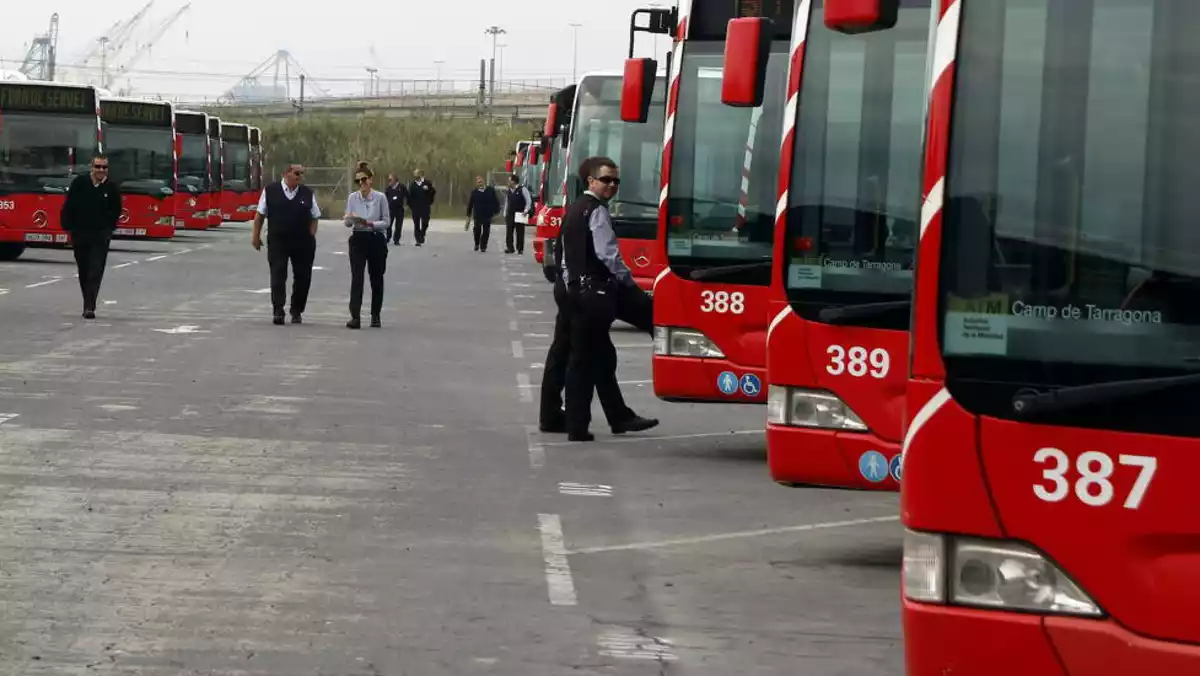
(187,489)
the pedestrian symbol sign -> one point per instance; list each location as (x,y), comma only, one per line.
(727,382)
(873,465)
(751,385)
(894,468)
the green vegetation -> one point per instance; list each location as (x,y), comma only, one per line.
(451,151)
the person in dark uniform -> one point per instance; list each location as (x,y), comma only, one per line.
(396,195)
(634,307)
(421,194)
(482,207)
(290,210)
(90,214)
(593,275)
(519,201)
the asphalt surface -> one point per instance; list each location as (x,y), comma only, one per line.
(187,489)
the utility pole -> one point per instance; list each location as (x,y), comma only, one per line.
(104,62)
(372,82)
(500,77)
(495,32)
(575,49)
(438,65)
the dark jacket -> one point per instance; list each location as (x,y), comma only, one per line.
(91,208)
(420,197)
(396,195)
(483,203)
(289,217)
(577,244)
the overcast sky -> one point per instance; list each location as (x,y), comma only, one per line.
(216,42)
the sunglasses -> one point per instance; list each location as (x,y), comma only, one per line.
(297,173)
(608,180)
(361,179)
(100,166)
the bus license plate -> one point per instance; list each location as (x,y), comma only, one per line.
(131,232)
(38,237)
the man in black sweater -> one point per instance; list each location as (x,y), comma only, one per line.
(396,195)
(421,194)
(482,206)
(90,214)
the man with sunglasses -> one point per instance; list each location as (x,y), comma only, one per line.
(90,214)
(594,278)
(289,208)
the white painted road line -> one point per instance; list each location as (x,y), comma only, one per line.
(3,292)
(518,350)
(537,335)
(524,389)
(634,346)
(667,437)
(155,258)
(45,283)
(182,252)
(626,644)
(704,539)
(537,451)
(585,490)
(530,312)
(5,417)
(124,265)
(558,569)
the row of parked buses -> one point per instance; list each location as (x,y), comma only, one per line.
(176,169)
(1023,387)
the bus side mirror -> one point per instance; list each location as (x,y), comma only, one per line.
(861,16)
(179,145)
(551,129)
(508,166)
(535,155)
(637,89)
(747,49)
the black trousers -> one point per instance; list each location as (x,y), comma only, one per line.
(420,225)
(634,307)
(514,229)
(396,229)
(482,232)
(369,252)
(91,257)
(300,249)
(592,364)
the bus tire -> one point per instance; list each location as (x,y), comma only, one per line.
(10,251)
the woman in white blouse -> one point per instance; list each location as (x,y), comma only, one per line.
(368,218)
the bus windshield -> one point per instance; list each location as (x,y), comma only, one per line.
(725,168)
(237,165)
(856,177)
(141,159)
(1069,254)
(214,147)
(193,164)
(636,148)
(43,152)
(555,194)
(533,177)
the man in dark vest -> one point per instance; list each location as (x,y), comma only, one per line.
(519,201)
(290,211)
(421,194)
(594,278)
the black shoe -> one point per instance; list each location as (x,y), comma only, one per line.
(581,436)
(297,320)
(635,424)
(376,322)
(556,427)
(89,314)
(278,320)
(354,324)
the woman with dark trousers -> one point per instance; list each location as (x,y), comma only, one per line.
(368,218)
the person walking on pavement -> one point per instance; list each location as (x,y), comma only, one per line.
(594,274)
(90,214)
(368,217)
(289,209)
(396,195)
(519,201)
(421,194)
(482,207)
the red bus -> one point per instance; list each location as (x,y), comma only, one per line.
(139,139)
(235,171)
(552,201)
(717,214)
(256,175)
(597,129)
(48,134)
(193,197)
(1051,408)
(845,240)
(216,167)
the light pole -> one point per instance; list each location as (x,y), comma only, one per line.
(575,49)
(500,67)
(373,85)
(495,32)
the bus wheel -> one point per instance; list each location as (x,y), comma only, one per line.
(10,251)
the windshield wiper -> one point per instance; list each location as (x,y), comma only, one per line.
(843,313)
(1027,402)
(723,270)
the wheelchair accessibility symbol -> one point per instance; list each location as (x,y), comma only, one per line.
(751,385)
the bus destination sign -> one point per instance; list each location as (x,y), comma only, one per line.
(235,132)
(46,99)
(190,123)
(135,113)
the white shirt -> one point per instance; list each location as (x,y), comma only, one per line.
(373,208)
(289,193)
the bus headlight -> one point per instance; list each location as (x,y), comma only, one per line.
(809,408)
(989,574)
(671,342)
